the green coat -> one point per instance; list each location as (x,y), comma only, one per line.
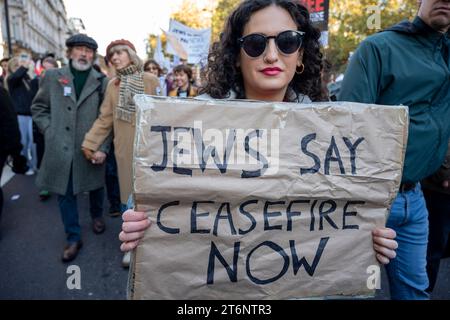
(405,66)
(64,121)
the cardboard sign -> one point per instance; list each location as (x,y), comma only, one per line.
(253,200)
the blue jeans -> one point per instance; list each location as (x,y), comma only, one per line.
(69,210)
(26,138)
(130,203)
(407,273)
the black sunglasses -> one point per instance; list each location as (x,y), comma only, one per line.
(287,42)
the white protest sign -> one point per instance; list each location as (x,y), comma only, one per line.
(195,42)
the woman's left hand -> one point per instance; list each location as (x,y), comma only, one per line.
(385,245)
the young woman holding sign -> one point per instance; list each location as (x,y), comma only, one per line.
(268,51)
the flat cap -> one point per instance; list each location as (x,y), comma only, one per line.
(81,40)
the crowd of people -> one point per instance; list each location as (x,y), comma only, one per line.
(269,50)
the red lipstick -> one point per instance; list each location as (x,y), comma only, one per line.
(271,72)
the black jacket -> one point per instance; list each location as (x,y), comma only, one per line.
(22,91)
(9,128)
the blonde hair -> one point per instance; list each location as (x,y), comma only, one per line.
(131,53)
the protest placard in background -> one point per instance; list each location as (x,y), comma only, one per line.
(253,200)
(319,11)
(195,43)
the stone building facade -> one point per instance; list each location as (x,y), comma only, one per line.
(37,26)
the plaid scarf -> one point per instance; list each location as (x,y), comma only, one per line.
(131,83)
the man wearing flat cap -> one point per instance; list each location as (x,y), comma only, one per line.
(65,108)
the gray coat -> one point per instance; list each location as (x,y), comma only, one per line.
(64,121)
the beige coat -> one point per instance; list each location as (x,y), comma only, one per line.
(123,133)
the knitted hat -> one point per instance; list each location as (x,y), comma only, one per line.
(81,40)
(121,42)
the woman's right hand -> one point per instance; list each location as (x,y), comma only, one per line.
(133,229)
(88,154)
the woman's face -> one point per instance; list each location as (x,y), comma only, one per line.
(181,79)
(271,72)
(153,69)
(14,66)
(120,59)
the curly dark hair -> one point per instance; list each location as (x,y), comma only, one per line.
(222,73)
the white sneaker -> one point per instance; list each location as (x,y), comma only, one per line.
(126,260)
(30,172)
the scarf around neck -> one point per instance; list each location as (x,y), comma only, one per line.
(131,83)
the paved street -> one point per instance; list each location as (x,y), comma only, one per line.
(32,242)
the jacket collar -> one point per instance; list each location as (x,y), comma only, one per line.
(420,28)
(93,81)
(65,78)
(428,31)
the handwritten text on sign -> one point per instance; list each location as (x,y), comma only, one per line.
(262,201)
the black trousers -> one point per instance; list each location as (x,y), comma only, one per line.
(112,182)
(438,205)
(2,164)
(39,140)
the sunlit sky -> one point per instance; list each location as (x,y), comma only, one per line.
(108,20)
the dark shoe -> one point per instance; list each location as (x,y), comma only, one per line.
(98,225)
(71,251)
(44,195)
